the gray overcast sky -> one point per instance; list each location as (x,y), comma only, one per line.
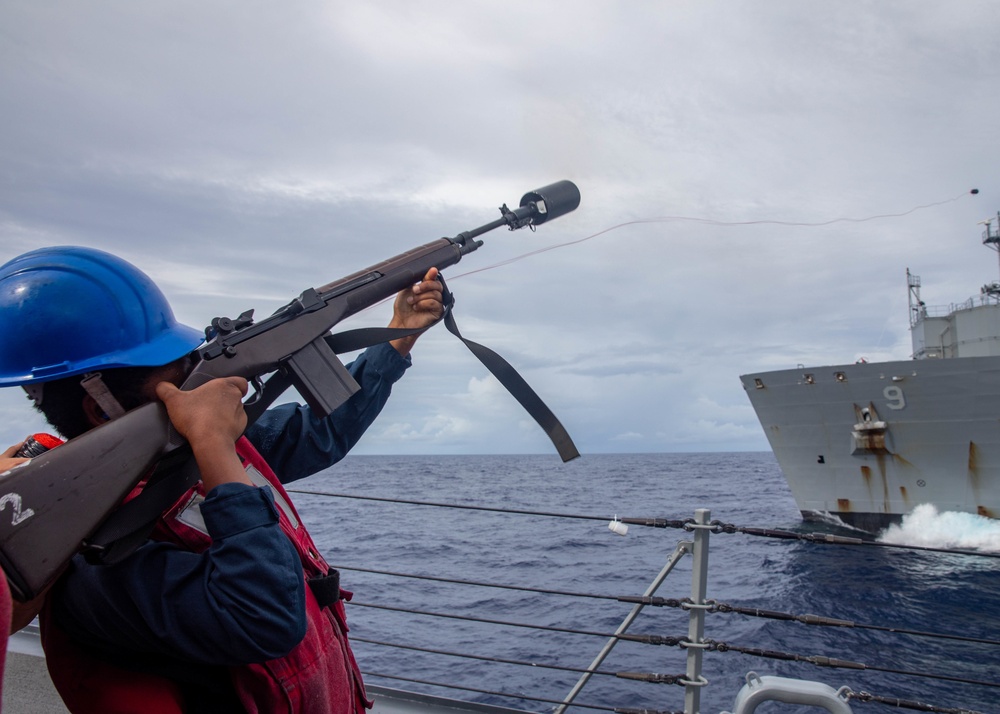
(240,152)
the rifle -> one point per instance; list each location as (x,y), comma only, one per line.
(67,499)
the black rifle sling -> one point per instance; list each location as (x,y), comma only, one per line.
(353,340)
(497,365)
(518,388)
(130,525)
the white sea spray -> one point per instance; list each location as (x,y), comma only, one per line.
(926,527)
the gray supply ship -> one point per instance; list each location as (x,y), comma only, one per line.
(868,442)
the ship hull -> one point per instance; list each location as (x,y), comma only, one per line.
(869,442)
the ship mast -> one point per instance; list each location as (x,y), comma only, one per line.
(918,309)
(991,238)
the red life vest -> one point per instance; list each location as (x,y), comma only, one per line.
(319,675)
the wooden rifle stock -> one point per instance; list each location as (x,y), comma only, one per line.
(49,505)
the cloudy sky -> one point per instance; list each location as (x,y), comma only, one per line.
(240,152)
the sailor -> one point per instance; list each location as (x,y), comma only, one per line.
(228,607)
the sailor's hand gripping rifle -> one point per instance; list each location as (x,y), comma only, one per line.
(56,504)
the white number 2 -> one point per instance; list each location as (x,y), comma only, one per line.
(20,515)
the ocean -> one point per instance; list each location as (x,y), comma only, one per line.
(570,552)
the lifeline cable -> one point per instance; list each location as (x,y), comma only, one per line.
(716,607)
(678,679)
(658,678)
(822,661)
(489,621)
(906,703)
(844,540)
(456,581)
(492,692)
(439,504)
(684,524)
(833,622)
(825,538)
(484,658)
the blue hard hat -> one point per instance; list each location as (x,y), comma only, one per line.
(68,310)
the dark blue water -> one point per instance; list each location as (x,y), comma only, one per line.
(923,591)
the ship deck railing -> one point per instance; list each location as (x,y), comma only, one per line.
(975,301)
(692,603)
(397,693)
